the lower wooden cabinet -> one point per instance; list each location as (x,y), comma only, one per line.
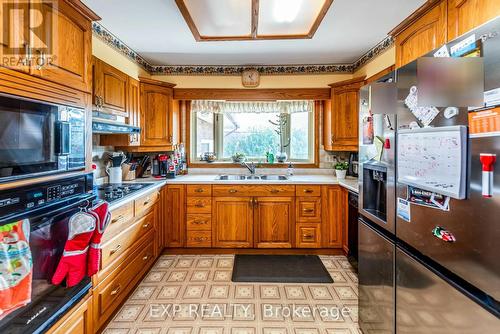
(333,211)
(173,215)
(77,321)
(274,222)
(232,222)
(308,235)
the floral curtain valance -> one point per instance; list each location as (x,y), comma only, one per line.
(221,107)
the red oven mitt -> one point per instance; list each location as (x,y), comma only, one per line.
(73,263)
(103,217)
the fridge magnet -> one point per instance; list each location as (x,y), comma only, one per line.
(368,130)
(450,112)
(484,123)
(463,46)
(403,209)
(487,161)
(425,115)
(427,198)
(442,52)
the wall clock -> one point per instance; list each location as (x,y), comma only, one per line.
(250,78)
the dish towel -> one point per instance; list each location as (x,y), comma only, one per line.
(16,266)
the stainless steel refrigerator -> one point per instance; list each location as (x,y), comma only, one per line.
(376,225)
(447,267)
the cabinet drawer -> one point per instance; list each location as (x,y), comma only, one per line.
(121,219)
(199,239)
(308,209)
(199,204)
(145,202)
(199,222)
(199,190)
(251,190)
(304,190)
(112,291)
(307,235)
(116,246)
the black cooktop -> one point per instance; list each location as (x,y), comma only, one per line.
(112,192)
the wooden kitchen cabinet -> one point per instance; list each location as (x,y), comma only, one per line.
(174,219)
(343,129)
(274,222)
(232,222)
(76,321)
(109,89)
(159,116)
(464,15)
(333,213)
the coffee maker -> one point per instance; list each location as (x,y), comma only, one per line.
(353,164)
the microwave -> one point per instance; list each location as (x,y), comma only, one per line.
(38,138)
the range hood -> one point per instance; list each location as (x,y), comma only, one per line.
(109,127)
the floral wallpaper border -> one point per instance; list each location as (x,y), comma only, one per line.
(235,70)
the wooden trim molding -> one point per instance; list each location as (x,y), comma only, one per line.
(254,25)
(422,10)
(380,74)
(156,82)
(347,82)
(80,7)
(229,94)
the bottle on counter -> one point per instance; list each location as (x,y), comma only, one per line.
(289,170)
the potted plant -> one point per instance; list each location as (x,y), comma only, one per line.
(238,157)
(341,169)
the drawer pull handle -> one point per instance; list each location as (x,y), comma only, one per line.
(274,191)
(145,225)
(232,191)
(114,250)
(145,258)
(307,236)
(199,205)
(308,191)
(115,291)
(199,190)
(308,210)
(200,239)
(199,222)
(118,219)
(146,202)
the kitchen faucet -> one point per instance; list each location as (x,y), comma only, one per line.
(250,167)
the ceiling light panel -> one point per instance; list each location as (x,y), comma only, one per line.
(219,18)
(288,17)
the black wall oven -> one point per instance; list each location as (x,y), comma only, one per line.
(39,138)
(47,207)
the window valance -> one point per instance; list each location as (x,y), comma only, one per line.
(222,107)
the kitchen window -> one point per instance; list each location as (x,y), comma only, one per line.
(252,129)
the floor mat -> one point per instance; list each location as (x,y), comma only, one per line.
(280,269)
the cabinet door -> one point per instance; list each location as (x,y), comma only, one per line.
(14,47)
(174,219)
(422,36)
(333,213)
(156,115)
(70,43)
(232,222)
(327,125)
(464,15)
(345,120)
(133,108)
(110,89)
(76,321)
(274,219)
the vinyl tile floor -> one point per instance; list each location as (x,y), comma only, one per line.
(194,294)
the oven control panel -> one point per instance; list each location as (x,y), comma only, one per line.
(37,196)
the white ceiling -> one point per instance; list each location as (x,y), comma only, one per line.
(157,31)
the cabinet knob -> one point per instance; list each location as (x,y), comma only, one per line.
(145,258)
(232,191)
(274,191)
(199,222)
(199,205)
(200,239)
(199,190)
(307,236)
(308,210)
(171,139)
(145,226)
(308,191)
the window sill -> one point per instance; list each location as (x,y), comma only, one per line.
(226,164)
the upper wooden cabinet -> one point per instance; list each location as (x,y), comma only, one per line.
(464,15)
(274,222)
(340,128)
(438,22)
(109,89)
(59,49)
(159,118)
(424,31)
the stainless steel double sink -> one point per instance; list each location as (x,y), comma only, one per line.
(236,177)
